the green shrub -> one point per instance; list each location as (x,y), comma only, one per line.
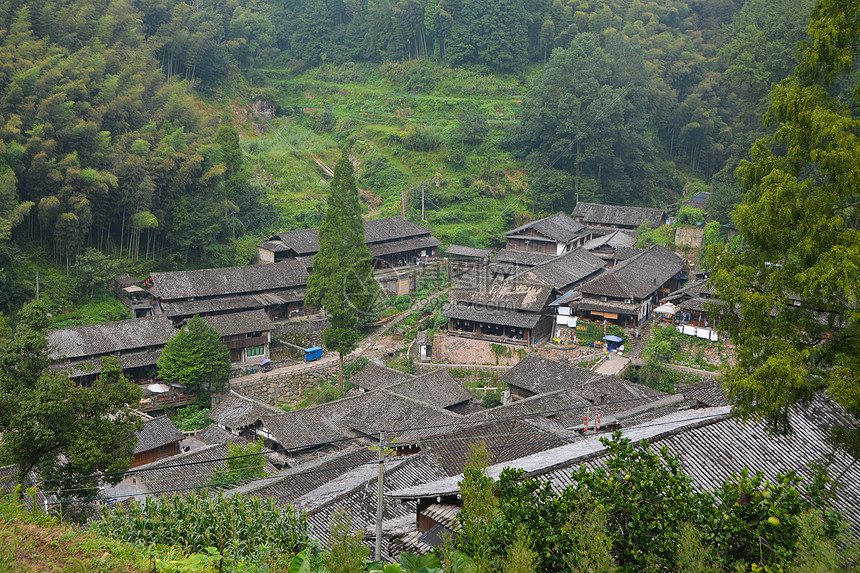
(191,418)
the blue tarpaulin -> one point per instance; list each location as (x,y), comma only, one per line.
(613,338)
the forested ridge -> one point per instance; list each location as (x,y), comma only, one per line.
(114,136)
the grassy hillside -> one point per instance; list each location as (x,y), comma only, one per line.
(410,125)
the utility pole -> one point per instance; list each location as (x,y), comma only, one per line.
(403,195)
(422,201)
(37,285)
(377,554)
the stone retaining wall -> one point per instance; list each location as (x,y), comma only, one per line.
(277,389)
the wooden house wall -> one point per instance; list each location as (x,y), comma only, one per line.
(155,454)
(518,244)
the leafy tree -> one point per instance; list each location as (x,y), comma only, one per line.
(243,463)
(94,270)
(343,281)
(638,511)
(191,418)
(585,114)
(196,357)
(56,428)
(790,297)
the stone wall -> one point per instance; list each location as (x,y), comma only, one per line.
(277,389)
(691,237)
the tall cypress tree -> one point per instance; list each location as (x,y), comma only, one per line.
(342,281)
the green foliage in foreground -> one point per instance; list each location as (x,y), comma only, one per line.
(640,512)
(237,526)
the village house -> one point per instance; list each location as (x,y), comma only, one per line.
(278,289)
(690,302)
(136,342)
(554,235)
(508,263)
(617,216)
(626,293)
(508,311)
(247,335)
(393,242)
(241,416)
(564,272)
(535,375)
(158,439)
(613,248)
(464,259)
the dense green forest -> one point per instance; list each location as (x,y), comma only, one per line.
(117,117)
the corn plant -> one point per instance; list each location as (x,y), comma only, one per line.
(236,526)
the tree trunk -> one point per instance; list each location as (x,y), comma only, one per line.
(340,372)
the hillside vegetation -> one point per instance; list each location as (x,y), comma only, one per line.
(116,118)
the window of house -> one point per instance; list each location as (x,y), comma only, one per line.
(256,350)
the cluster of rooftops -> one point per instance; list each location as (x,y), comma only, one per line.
(585,261)
(321,461)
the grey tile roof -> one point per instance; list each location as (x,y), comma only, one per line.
(563,408)
(306,241)
(374,376)
(292,483)
(618,214)
(541,375)
(469,252)
(624,253)
(110,337)
(236,411)
(138,359)
(511,258)
(309,427)
(711,446)
(302,241)
(437,388)
(571,455)
(157,432)
(401,418)
(505,440)
(410,244)
(707,392)
(356,494)
(390,229)
(510,318)
(228,281)
(503,295)
(240,322)
(559,227)
(639,277)
(233,303)
(614,239)
(185,472)
(565,271)
(613,395)
(212,434)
